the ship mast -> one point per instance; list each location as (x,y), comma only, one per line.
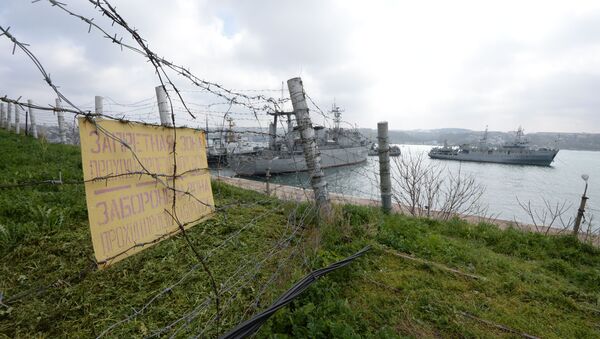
(337,115)
(519,134)
(483,140)
(520,140)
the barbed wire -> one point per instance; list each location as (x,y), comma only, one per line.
(250,275)
(209,254)
(159,63)
(248,108)
(38,64)
(222,294)
(99,128)
(248,278)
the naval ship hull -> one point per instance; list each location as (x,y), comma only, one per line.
(274,163)
(537,158)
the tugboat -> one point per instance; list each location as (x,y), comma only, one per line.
(517,152)
(337,147)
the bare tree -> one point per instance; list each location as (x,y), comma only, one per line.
(550,215)
(591,235)
(557,218)
(432,190)
(461,195)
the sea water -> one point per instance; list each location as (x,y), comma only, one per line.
(505,185)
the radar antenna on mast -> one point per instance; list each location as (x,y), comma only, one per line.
(485,136)
(337,115)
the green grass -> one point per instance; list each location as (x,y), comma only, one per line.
(547,286)
(541,285)
(46,253)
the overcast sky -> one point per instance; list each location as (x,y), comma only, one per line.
(416,64)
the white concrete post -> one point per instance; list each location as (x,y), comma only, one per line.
(34,131)
(17,119)
(61,122)
(99,105)
(2,115)
(163,106)
(309,146)
(9,117)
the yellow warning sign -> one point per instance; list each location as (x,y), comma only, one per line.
(132,200)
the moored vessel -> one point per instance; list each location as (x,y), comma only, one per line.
(517,152)
(337,146)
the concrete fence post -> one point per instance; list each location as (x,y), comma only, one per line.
(61,122)
(163,106)
(309,147)
(34,131)
(2,115)
(17,119)
(385,180)
(99,104)
(9,117)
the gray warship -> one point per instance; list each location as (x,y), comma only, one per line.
(337,146)
(517,152)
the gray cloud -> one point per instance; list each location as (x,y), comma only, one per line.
(379,61)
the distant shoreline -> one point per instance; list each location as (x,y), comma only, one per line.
(454,136)
(437,145)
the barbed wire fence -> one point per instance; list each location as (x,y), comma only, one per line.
(221,307)
(232,106)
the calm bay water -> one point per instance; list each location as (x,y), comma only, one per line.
(504,183)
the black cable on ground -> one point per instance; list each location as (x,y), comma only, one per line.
(252,325)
